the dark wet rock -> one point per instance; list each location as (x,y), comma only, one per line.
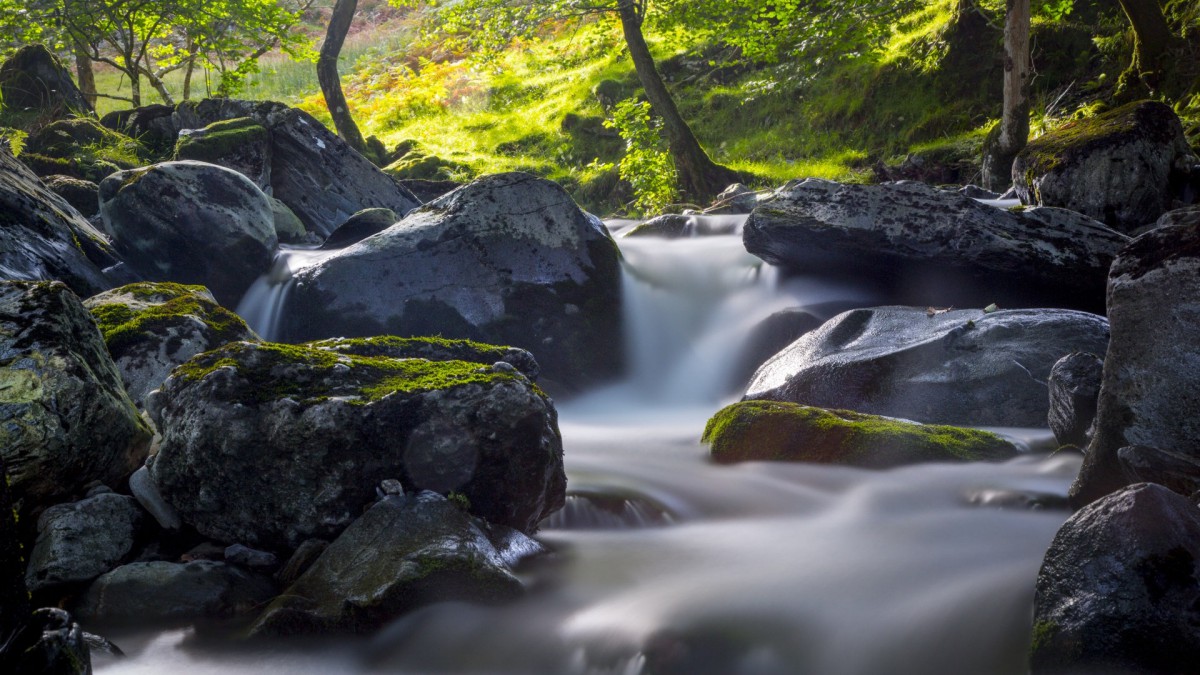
(433,349)
(66,419)
(150,124)
(779,431)
(34,79)
(1188,215)
(14,597)
(82,194)
(81,148)
(244,556)
(771,336)
(192,223)
(507,259)
(1116,167)
(428,190)
(289,229)
(302,558)
(670,226)
(931,247)
(1173,470)
(143,489)
(150,328)
(240,144)
(78,542)
(1150,394)
(360,226)
(44,237)
(955,367)
(1118,591)
(404,552)
(154,593)
(49,643)
(1074,386)
(326,428)
(321,178)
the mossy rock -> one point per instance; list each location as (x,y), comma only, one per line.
(81,148)
(220,139)
(778,431)
(418,165)
(433,349)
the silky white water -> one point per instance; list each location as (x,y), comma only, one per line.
(753,568)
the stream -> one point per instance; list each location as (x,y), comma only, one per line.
(665,563)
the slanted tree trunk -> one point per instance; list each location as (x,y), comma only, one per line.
(1001,148)
(1152,40)
(85,75)
(327,74)
(700,178)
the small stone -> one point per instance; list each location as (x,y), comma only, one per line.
(392,487)
(503,367)
(244,556)
(146,492)
(204,551)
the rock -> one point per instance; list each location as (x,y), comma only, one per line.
(240,144)
(328,427)
(670,226)
(78,542)
(1150,395)
(1118,590)
(244,556)
(401,554)
(143,489)
(777,431)
(360,226)
(735,199)
(428,190)
(192,223)
(1116,167)
(151,124)
(417,165)
(82,194)
(156,593)
(289,229)
(321,178)
(1173,470)
(976,192)
(66,419)
(433,349)
(954,367)
(508,259)
(1074,386)
(150,328)
(1188,215)
(14,596)
(81,148)
(49,643)
(769,337)
(33,79)
(44,237)
(304,556)
(931,247)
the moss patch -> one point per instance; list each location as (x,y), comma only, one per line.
(433,348)
(221,139)
(1078,136)
(779,431)
(126,325)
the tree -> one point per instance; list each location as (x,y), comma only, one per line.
(1010,137)
(492,24)
(1161,64)
(331,82)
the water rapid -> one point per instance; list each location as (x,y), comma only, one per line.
(666,563)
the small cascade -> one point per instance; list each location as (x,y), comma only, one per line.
(262,305)
(600,511)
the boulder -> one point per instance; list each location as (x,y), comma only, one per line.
(150,328)
(66,419)
(154,593)
(735,199)
(669,226)
(1119,590)
(151,124)
(82,194)
(82,148)
(321,178)
(240,144)
(789,432)
(928,246)
(193,223)
(950,367)
(433,349)
(402,553)
(14,596)
(360,226)
(44,237)
(78,542)
(1074,386)
(33,78)
(268,445)
(1150,394)
(49,643)
(1173,470)
(428,190)
(507,259)
(769,337)
(1116,167)
(418,165)
(289,229)
(1188,215)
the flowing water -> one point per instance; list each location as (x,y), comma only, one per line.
(666,563)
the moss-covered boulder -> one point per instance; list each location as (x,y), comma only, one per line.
(65,419)
(191,222)
(404,552)
(150,328)
(1118,167)
(33,78)
(433,349)
(775,431)
(82,148)
(240,144)
(269,445)
(419,165)
(508,259)
(84,195)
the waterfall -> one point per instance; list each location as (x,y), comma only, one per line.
(262,305)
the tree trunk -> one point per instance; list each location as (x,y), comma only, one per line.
(1013,134)
(327,74)
(85,75)
(189,69)
(700,178)
(160,87)
(1152,39)
(135,87)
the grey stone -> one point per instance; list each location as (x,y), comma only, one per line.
(433,349)
(1074,386)
(84,195)
(33,78)
(360,226)
(670,226)
(49,643)
(1173,470)
(302,558)
(244,556)
(193,223)
(240,144)
(146,493)
(956,367)
(154,593)
(78,542)
(288,226)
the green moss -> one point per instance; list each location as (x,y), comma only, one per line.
(1043,633)
(125,326)
(433,348)
(1080,135)
(780,431)
(220,139)
(460,500)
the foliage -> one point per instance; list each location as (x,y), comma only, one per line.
(647,165)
